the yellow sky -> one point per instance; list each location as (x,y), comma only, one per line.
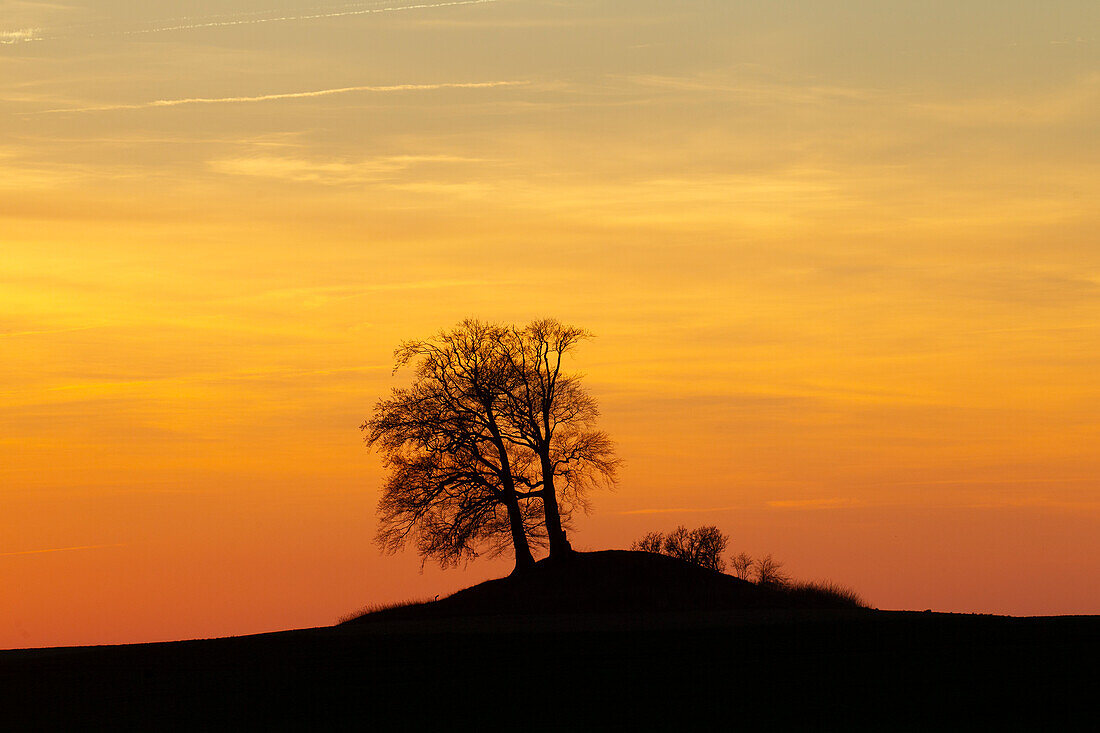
(841,258)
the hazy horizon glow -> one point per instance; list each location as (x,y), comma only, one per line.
(840,257)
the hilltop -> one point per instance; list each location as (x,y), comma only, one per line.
(608,582)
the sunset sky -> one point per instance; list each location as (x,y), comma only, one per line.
(842,260)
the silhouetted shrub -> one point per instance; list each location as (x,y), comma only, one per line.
(378,607)
(742,565)
(702,546)
(652,542)
(824,594)
(770,572)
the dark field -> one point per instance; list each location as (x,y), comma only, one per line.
(594,667)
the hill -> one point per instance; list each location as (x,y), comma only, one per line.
(612,641)
(609,582)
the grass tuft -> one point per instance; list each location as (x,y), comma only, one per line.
(824,594)
(376,608)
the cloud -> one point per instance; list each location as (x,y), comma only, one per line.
(27,35)
(59,549)
(329,171)
(757,91)
(813,504)
(315,297)
(17,174)
(683,510)
(242,19)
(22,35)
(168,388)
(997,481)
(1072,100)
(289,95)
(8,334)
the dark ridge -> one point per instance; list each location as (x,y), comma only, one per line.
(607,641)
(612,581)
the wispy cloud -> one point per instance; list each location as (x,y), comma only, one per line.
(59,549)
(1000,481)
(318,297)
(683,510)
(1038,502)
(800,91)
(22,35)
(289,95)
(781,504)
(45,331)
(813,503)
(168,387)
(329,171)
(1074,99)
(27,35)
(199,23)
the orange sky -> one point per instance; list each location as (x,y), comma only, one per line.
(840,257)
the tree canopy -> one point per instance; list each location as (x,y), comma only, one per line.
(493,445)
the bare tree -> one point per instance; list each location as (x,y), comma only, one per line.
(709,544)
(742,565)
(456,482)
(491,440)
(554,417)
(652,542)
(451,513)
(702,546)
(769,572)
(678,544)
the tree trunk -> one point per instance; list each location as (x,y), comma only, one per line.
(559,544)
(524,559)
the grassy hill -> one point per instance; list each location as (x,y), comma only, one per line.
(611,641)
(612,582)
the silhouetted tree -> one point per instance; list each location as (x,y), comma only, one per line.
(455,482)
(554,417)
(702,546)
(742,565)
(453,513)
(652,542)
(489,425)
(770,572)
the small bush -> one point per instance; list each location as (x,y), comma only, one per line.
(769,572)
(742,565)
(825,594)
(652,542)
(702,546)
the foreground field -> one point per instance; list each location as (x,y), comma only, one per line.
(599,668)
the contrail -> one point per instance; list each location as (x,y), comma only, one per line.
(29,35)
(44,331)
(312,16)
(288,95)
(58,549)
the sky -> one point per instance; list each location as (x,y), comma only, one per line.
(840,258)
